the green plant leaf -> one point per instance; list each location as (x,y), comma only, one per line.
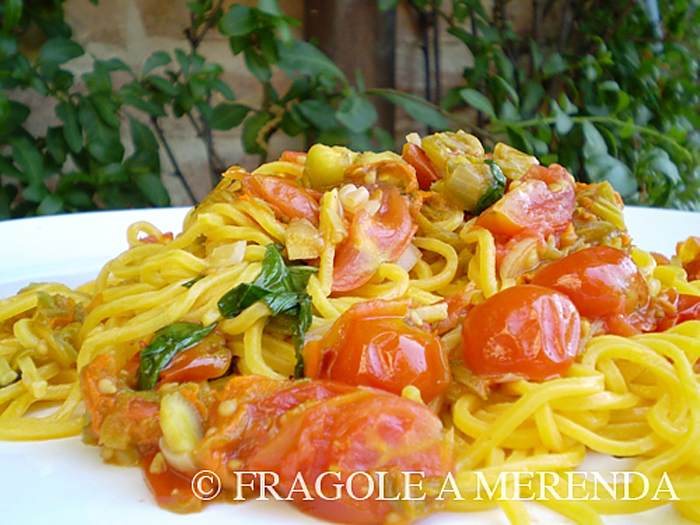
(151,186)
(145,154)
(356,113)
(8,45)
(269,46)
(594,144)
(12,115)
(306,59)
(659,160)
(554,65)
(147,106)
(418,109)
(58,51)
(606,167)
(68,114)
(56,145)
(257,64)
(253,142)
(386,5)
(220,86)
(50,205)
(270,7)
(562,123)
(28,159)
(226,116)
(12,14)
(318,112)
(115,173)
(508,89)
(102,141)
(161,84)
(478,101)
(35,192)
(7,195)
(183,61)
(108,109)
(534,93)
(157,59)
(239,20)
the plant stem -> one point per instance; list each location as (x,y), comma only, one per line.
(610,121)
(173,160)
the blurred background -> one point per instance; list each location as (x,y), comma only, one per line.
(138,103)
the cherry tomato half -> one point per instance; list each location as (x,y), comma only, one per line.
(425,171)
(196,364)
(603,282)
(372,345)
(540,203)
(373,239)
(527,331)
(324,433)
(285,195)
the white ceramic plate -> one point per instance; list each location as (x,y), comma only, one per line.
(64,481)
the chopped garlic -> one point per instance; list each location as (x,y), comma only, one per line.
(303,240)
(227,254)
(180,422)
(352,197)
(332,223)
(414,138)
(106,386)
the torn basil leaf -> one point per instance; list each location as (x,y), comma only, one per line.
(191,282)
(282,287)
(495,191)
(167,342)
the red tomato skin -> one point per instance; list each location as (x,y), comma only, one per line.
(687,308)
(171,489)
(603,283)
(287,196)
(372,345)
(528,331)
(540,203)
(373,239)
(307,428)
(194,365)
(425,171)
(360,431)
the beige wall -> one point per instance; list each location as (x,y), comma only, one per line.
(132,29)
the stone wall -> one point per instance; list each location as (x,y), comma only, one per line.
(132,29)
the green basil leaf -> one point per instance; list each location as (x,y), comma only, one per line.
(166,344)
(282,288)
(280,302)
(299,276)
(239,298)
(192,282)
(494,192)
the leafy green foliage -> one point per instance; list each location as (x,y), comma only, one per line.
(606,97)
(167,342)
(610,98)
(282,287)
(82,162)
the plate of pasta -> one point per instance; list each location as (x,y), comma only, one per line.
(443,335)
